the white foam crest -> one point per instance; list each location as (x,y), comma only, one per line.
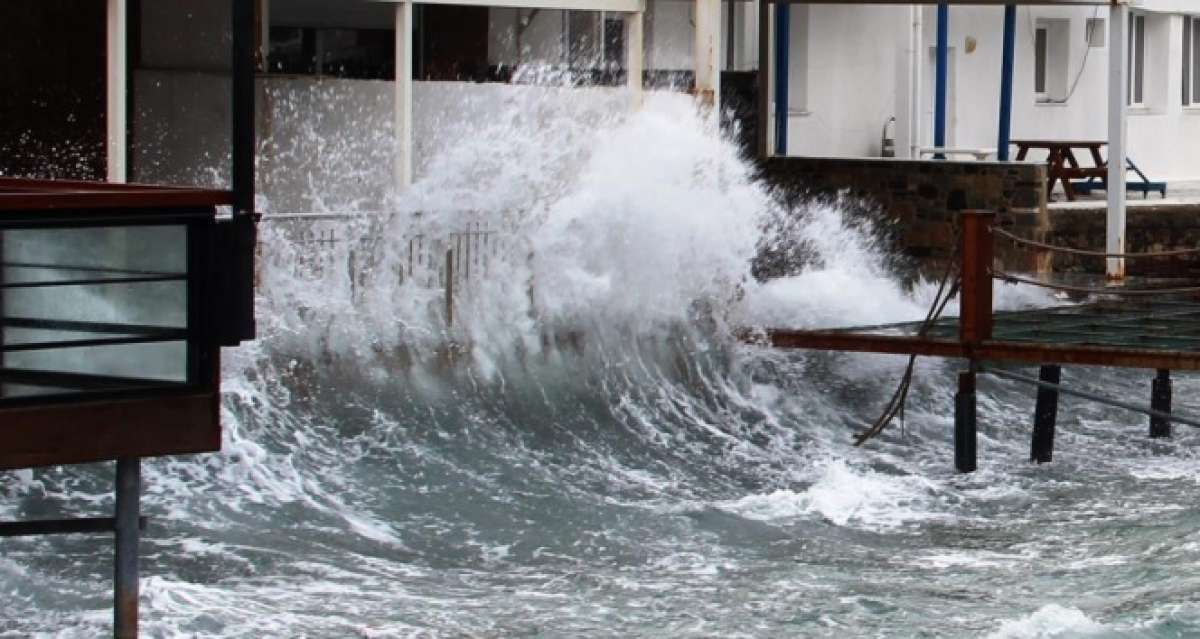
(845,496)
(1051,620)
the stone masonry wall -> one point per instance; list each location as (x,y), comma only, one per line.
(1149,229)
(923,198)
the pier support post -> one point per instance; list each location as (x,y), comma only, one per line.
(125,591)
(1045,415)
(964,423)
(975,297)
(1160,400)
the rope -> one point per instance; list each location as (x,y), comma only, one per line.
(1074,251)
(1015,279)
(900,397)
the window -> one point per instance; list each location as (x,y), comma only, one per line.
(1039,55)
(1191,60)
(1095,32)
(343,53)
(1051,53)
(1137,60)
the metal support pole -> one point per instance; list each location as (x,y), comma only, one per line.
(125,608)
(1044,416)
(1118,93)
(965,432)
(782,57)
(943,65)
(1006,82)
(1160,400)
(241,238)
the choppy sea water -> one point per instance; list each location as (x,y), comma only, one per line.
(646,476)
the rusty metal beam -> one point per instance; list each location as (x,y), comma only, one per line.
(991,350)
(860,343)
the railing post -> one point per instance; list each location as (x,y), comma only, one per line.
(975,296)
(449,287)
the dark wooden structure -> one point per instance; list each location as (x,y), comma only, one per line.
(1155,330)
(115,300)
(108,321)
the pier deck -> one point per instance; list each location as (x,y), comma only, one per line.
(1162,333)
(1133,327)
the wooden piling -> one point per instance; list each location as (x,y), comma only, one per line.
(1045,415)
(964,423)
(975,296)
(1160,400)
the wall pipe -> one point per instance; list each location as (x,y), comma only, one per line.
(1006,82)
(782,54)
(943,64)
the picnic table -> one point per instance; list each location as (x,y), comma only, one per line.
(1063,165)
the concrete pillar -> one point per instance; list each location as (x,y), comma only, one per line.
(635,55)
(1118,92)
(707,51)
(403,162)
(117,88)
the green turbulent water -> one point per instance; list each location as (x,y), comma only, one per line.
(632,492)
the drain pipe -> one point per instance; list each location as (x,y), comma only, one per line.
(916,46)
(782,56)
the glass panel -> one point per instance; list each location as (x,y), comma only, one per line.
(101,307)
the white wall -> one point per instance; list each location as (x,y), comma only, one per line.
(857,78)
(855,55)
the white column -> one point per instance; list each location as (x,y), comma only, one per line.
(117,83)
(403,105)
(1118,92)
(634,54)
(707,51)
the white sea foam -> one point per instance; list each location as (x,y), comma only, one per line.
(845,496)
(1051,620)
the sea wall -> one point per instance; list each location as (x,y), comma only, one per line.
(1149,228)
(918,201)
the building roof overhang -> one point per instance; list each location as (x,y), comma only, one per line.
(997,3)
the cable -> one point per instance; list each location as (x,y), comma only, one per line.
(1008,277)
(1074,251)
(899,398)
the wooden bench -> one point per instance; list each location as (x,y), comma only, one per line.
(978,154)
